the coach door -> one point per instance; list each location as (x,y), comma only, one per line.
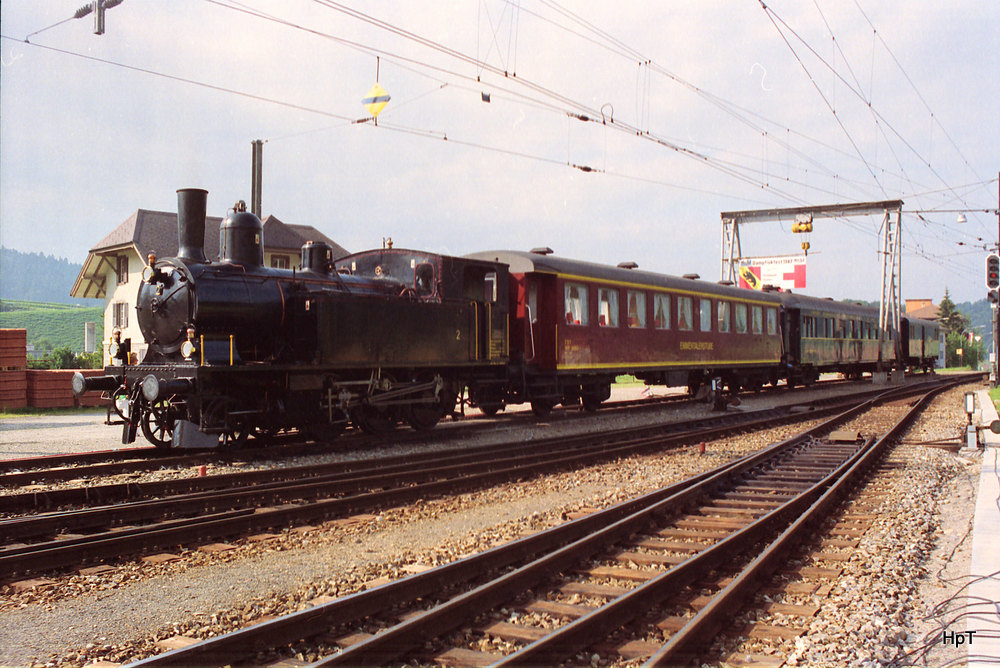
(791,339)
(538,331)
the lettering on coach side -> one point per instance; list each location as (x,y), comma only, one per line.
(697,345)
(953,638)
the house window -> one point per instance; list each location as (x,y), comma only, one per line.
(705,315)
(636,308)
(607,307)
(685,310)
(723,316)
(757,319)
(661,311)
(279,261)
(576,304)
(741,318)
(119,315)
(121,269)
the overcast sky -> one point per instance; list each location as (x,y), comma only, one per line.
(689,108)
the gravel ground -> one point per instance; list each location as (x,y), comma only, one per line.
(119,614)
(914,557)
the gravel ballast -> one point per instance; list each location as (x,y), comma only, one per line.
(119,614)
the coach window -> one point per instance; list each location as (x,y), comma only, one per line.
(741,318)
(757,319)
(772,322)
(661,311)
(723,316)
(576,304)
(704,315)
(684,312)
(607,307)
(636,308)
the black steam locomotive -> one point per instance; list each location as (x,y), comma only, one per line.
(390,335)
(237,348)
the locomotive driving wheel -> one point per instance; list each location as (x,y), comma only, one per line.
(424,416)
(157,424)
(376,418)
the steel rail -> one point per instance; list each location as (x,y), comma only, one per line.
(391,644)
(386,646)
(683,645)
(41,468)
(412,485)
(118,492)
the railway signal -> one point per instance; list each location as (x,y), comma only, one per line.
(992,271)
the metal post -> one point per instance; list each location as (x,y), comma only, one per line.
(257,159)
(995,375)
(98,8)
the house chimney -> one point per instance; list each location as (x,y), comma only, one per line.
(192,206)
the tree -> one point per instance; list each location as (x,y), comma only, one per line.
(972,351)
(949,316)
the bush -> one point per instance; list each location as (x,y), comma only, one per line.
(64,358)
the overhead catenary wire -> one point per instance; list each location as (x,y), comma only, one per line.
(541,98)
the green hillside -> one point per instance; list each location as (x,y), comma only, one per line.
(51,325)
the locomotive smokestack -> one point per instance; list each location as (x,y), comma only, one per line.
(192,207)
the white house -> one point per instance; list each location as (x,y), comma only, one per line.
(113,269)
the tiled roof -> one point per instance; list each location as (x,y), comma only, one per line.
(925,313)
(280,235)
(156,232)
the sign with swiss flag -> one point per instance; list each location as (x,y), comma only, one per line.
(784,272)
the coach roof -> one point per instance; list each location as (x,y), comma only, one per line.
(521,262)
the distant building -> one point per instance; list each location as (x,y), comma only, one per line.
(921,308)
(113,268)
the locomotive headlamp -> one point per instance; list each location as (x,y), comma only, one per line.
(114,349)
(188,348)
(151,388)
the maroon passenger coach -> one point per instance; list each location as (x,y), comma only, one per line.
(576,325)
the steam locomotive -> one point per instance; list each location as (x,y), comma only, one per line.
(393,335)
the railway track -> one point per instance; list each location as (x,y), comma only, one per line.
(144,517)
(620,582)
(55,468)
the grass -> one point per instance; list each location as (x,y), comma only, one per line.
(995,396)
(58,324)
(16,413)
